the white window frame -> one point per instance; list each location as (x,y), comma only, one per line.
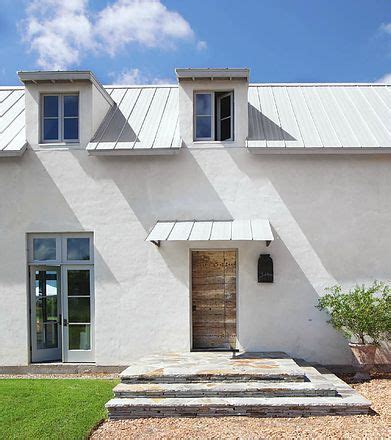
(215,116)
(31,259)
(61,118)
(61,248)
(218,118)
(204,92)
(64,248)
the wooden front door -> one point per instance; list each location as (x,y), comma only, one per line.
(214,299)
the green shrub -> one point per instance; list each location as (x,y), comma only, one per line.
(363,313)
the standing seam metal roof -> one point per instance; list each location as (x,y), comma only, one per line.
(144,118)
(12,121)
(281,117)
(319,116)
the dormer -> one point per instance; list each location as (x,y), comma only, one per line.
(63,108)
(213,107)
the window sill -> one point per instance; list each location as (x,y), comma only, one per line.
(59,144)
(195,142)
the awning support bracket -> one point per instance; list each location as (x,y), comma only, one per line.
(268,243)
(156,243)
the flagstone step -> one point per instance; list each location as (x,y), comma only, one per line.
(213,376)
(224,389)
(213,367)
(126,408)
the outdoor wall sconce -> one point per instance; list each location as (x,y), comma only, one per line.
(265,269)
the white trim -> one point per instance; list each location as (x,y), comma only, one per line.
(44,354)
(78,355)
(212,116)
(64,248)
(61,118)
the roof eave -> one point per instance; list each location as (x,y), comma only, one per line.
(51,76)
(13,152)
(207,73)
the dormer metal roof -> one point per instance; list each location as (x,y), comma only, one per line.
(63,76)
(213,74)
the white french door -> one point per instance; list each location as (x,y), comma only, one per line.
(61,297)
(45,306)
(78,313)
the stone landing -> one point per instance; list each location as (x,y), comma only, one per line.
(211,384)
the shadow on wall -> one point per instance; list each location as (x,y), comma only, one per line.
(340,195)
(284,312)
(39,204)
(259,125)
(148,182)
(344,195)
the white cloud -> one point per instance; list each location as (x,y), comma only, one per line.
(385,79)
(62,32)
(201,45)
(135,76)
(386,27)
(147,22)
(58,32)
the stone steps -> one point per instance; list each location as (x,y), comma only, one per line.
(124,408)
(224,389)
(217,385)
(212,377)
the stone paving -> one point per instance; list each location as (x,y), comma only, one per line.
(213,366)
(212,384)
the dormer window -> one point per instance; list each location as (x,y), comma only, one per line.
(60,118)
(213,116)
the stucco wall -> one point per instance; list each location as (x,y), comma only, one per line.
(331,220)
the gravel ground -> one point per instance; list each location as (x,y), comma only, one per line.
(377,426)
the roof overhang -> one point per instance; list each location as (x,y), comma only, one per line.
(13,151)
(63,76)
(213,74)
(211,230)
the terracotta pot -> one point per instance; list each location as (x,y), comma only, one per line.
(364,356)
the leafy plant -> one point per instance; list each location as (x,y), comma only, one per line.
(362,313)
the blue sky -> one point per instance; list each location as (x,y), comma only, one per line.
(142,41)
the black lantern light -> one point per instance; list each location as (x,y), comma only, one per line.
(265,269)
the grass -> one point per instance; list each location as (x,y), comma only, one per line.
(52,408)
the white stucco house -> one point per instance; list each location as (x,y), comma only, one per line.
(206,215)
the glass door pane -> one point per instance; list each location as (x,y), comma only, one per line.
(45,314)
(78,313)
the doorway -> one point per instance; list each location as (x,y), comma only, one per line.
(61,298)
(214,299)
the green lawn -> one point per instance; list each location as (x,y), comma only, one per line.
(52,408)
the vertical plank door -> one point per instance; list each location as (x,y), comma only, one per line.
(214,299)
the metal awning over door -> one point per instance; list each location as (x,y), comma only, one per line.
(211,230)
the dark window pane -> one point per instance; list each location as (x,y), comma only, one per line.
(71,105)
(78,282)
(204,127)
(78,309)
(225,127)
(78,248)
(50,129)
(71,128)
(44,249)
(203,104)
(50,106)
(225,106)
(79,337)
